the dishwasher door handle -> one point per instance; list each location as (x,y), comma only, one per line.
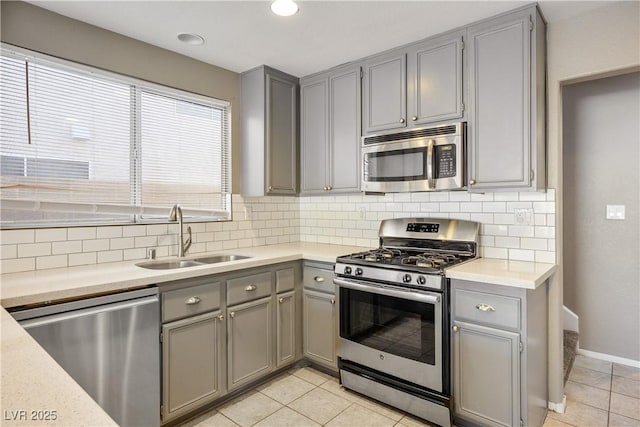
(53,318)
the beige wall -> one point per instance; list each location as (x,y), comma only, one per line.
(604,41)
(38,29)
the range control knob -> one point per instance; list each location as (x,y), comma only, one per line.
(358,271)
(421,280)
(406,278)
(347,270)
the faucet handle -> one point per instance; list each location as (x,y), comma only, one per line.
(151,253)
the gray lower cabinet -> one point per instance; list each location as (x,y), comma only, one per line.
(330,111)
(320,317)
(249,343)
(269,132)
(499,354)
(193,341)
(286,328)
(506,132)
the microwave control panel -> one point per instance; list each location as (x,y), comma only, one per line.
(445,164)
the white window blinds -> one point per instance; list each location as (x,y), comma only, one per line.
(84,146)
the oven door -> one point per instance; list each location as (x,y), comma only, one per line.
(392,330)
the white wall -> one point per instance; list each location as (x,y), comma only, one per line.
(602,41)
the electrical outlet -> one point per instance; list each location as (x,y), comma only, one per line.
(247,213)
(615,212)
(523,216)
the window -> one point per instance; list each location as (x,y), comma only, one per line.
(79,146)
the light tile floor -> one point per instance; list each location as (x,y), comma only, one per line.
(598,394)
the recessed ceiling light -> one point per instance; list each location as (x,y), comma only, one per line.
(284,7)
(189,38)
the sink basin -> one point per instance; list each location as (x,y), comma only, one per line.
(168,265)
(182,263)
(220,258)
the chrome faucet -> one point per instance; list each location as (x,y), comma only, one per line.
(176,215)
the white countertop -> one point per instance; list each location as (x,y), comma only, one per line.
(41,286)
(518,274)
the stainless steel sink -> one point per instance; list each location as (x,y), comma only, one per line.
(182,263)
(168,265)
(220,258)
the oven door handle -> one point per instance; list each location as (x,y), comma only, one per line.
(409,295)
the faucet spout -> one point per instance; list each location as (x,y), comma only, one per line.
(176,215)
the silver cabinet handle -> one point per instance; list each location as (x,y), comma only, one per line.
(402,120)
(485,307)
(333,300)
(329,188)
(192,301)
(472,181)
(281,299)
(270,188)
(414,118)
(221,317)
(232,314)
(250,288)
(455,329)
(325,188)
(319,279)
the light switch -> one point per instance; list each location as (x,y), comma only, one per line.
(615,211)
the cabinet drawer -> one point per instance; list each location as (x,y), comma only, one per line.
(285,280)
(248,288)
(190,301)
(318,279)
(489,309)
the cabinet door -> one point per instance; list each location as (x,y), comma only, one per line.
(344,138)
(385,93)
(319,328)
(282,135)
(314,98)
(435,80)
(500,102)
(249,337)
(286,328)
(192,367)
(486,375)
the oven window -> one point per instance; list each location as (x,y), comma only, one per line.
(397,165)
(393,325)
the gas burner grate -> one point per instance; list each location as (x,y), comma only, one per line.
(429,260)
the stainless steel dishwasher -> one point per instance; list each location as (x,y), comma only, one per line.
(110,345)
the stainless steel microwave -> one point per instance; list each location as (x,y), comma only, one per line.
(426,159)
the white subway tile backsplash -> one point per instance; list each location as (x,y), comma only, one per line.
(17,236)
(521,255)
(54,261)
(26,250)
(16,265)
(546,256)
(8,251)
(348,220)
(51,235)
(82,233)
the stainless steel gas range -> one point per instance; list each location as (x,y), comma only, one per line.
(394,314)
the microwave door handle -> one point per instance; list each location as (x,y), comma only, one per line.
(430,178)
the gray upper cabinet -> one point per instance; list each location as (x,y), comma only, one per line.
(384,94)
(330,131)
(269,132)
(435,79)
(506,101)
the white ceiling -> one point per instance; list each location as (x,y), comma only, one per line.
(244,34)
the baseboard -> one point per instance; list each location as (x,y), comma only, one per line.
(570,320)
(609,358)
(559,407)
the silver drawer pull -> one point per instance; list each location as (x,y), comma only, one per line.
(232,314)
(192,301)
(485,307)
(250,288)
(333,300)
(319,279)
(221,317)
(281,299)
